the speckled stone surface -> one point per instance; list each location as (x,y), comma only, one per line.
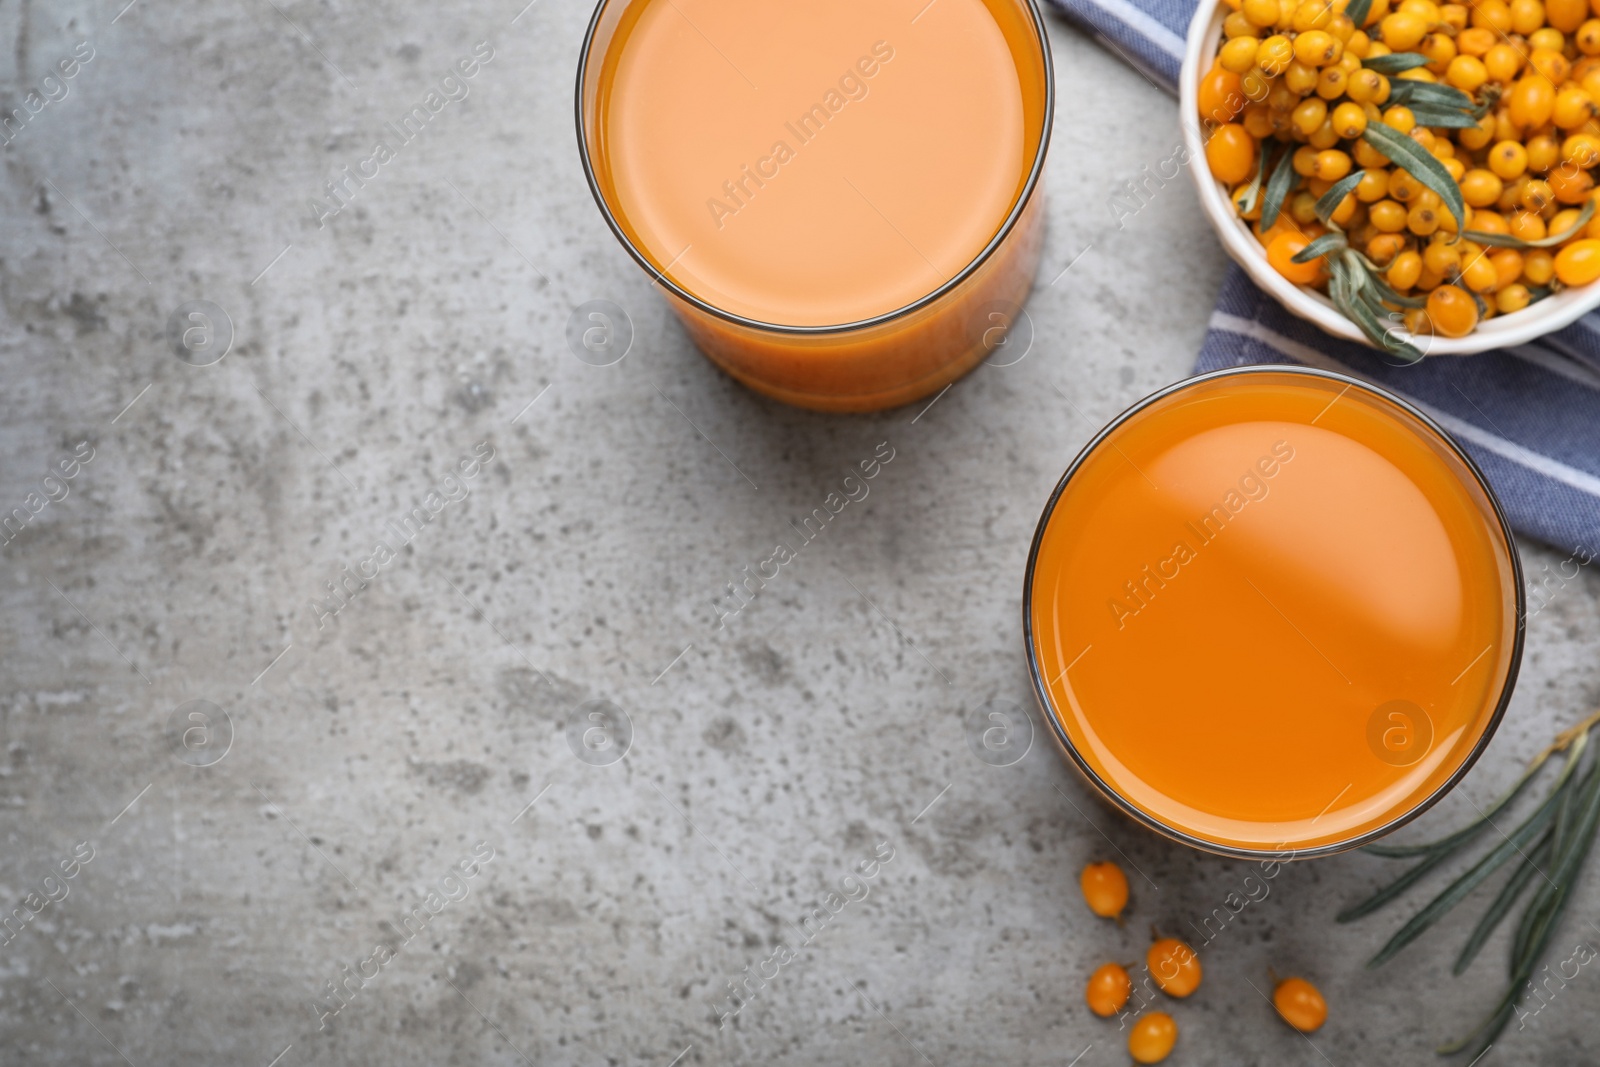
(364,755)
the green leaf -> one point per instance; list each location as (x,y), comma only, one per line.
(1419,163)
(1283,179)
(1358,10)
(1428,94)
(1457,891)
(1505,240)
(1442,118)
(1252,193)
(1319,247)
(1395,62)
(1502,904)
(1329,201)
(1344,289)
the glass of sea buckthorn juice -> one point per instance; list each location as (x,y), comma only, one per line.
(840,199)
(1273,611)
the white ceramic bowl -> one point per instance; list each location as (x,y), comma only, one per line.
(1520,327)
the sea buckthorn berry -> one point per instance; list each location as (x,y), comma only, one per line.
(1573,107)
(1299,1003)
(1588,38)
(1332,165)
(1477,274)
(1300,77)
(1422,220)
(1513,297)
(1374,186)
(1507,266)
(1527,226)
(1543,152)
(1317,48)
(1258,121)
(1358,45)
(1367,86)
(1274,54)
(1426,10)
(1405,270)
(1349,121)
(1304,161)
(1526,16)
(1286,13)
(1508,159)
(1480,188)
(1417,74)
(1452,313)
(1219,97)
(1366,155)
(1531,100)
(1403,187)
(1488,222)
(1105,888)
(1239,54)
(1581,150)
(1384,247)
(1331,83)
(1238,195)
(1538,266)
(1466,73)
(1475,41)
(1312,15)
(1547,39)
(1476,137)
(1566,15)
(1536,195)
(1492,15)
(1502,62)
(1550,63)
(1261,13)
(1236,25)
(1324,137)
(1428,281)
(1282,99)
(1440,48)
(1152,1037)
(1454,16)
(1108,989)
(1303,207)
(1400,119)
(1424,137)
(1416,322)
(1308,115)
(1570,185)
(1453,165)
(1174,965)
(1255,86)
(1388,216)
(1441,257)
(1402,31)
(1341,27)
(1565,224)
(1231,153)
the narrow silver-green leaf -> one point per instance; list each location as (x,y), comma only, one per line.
(1502,905)
(1441,118)
(1395,62)
(1419,163)
(1329,202)
(1505,240)
(1278,186)
(1357,11)
(1429,94)
(1319,247)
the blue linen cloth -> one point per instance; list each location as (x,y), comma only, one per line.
(1528,416)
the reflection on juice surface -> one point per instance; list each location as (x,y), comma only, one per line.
(813,164)
(1274,611)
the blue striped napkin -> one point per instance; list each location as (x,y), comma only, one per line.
(1529,416)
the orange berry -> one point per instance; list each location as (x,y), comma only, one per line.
(1579,262)
(1220,96)
(1532,98)
(1108,989)
(1105,888)
(1152,1037)
(1452,312)
(1299,1003)
(1173,964)
(1231,153)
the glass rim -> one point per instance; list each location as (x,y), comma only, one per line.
(1046,705)
(1035,172)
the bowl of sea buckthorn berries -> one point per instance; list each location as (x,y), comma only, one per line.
(1418,176)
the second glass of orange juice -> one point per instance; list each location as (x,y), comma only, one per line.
(839,198)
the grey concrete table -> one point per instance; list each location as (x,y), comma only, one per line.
(390,765)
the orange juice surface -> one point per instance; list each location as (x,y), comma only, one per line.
(818,163)
(1273,611)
